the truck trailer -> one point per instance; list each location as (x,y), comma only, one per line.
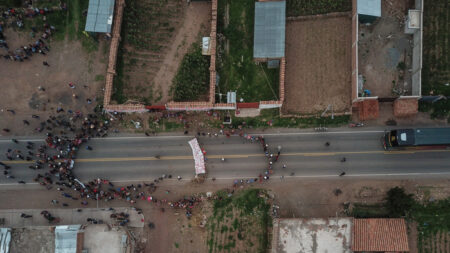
(417,137)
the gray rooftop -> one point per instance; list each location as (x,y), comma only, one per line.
(66,238)
(100,16)
(369,7)
(270,27)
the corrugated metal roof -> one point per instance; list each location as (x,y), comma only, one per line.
(5,239)
(270,27)
(369,7)
(380,235)
(100,16)
(66,239)
(427,136)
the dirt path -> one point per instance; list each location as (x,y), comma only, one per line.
(197,15)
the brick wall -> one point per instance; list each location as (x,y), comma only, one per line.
(189,106)
(282,75)
(213,41)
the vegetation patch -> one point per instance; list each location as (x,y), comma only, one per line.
(192,79)
(436,57)
(239,222)
(236,68)
(271,118)
(313,7)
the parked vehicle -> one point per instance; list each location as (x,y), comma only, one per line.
(418,137)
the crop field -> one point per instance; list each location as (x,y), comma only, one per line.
(235,65)
(433,226)
(239,223)
(318,65)
(436,55)
(156,35)
(312,7)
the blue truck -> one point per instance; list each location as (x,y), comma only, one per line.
(416,137)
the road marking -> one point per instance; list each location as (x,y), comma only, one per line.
(313,133)
(191,136)
(274,177)
(153,158)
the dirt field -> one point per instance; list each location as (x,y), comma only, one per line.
(21,80)
(381,47)
(318,64)
(148,73)
(39,240)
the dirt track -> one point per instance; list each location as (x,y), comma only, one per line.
(318,64)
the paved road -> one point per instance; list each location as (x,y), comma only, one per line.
(134,158)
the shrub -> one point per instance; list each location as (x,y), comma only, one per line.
(398,203)
(192,79)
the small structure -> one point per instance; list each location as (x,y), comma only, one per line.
(368,10)
(406,107)
(380,235)
(206,46)
(5,240)
(100,16)
(312,235)
(66,239)
(269,32)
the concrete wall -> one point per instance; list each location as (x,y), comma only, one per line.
(417,54)
(354,51)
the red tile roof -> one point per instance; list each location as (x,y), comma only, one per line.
(380,235)
(367,109)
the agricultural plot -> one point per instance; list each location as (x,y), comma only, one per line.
(318,65)
(236,68)
(156,35)
(433,225)
(313,7)
(436,55)
(239,223)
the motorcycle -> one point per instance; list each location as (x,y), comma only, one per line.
(359,124)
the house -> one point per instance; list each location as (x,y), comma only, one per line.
(379,235)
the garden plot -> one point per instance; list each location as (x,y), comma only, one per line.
(239,223)
(318,64)
(156,35)
(436,55)
(237,71)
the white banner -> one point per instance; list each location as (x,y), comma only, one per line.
(198,157)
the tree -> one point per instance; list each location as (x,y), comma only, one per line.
(398,203)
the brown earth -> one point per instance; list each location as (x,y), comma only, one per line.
(381,46)
(173,232)
(318,64)
(20,82)
(149,73)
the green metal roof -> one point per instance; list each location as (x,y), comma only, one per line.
(270,27)
(100,16)
(369,7)
(436,136)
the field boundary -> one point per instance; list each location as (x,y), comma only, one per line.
(177,106)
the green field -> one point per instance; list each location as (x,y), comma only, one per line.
(236,69)
(239,222)
(436,56)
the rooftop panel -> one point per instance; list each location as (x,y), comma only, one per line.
(100,16)
(270,27)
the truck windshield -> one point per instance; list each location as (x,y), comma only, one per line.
(393,138)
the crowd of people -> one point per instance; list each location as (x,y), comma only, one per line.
(15,18)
